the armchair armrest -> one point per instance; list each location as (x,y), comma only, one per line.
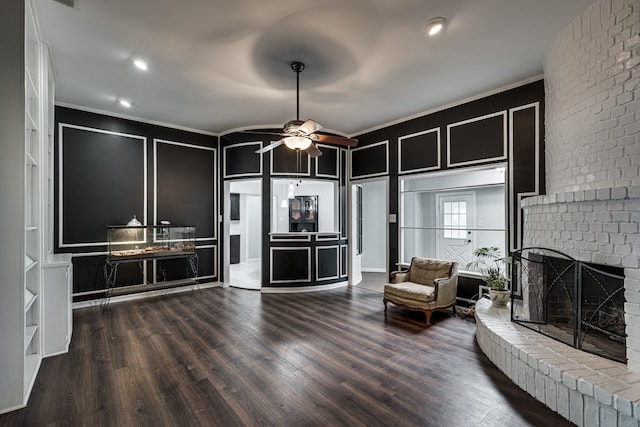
(399,276)
(446,288)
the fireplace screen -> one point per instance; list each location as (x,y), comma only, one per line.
(577,303)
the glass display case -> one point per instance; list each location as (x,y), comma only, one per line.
(150,241)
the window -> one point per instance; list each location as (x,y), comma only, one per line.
(455,220)
(447,215)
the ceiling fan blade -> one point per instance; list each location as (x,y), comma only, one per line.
(263,133)
(310,126)
(270,147)
(314,151)
(336,140)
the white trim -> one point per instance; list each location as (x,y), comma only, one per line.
(156,141)
(476,119)
(373,270)
(318,249)
(135,119)
(321,237)
(515,225)
(338,153)
(300,289)
(430,168)
(280,248)
(224,160)
(377,174)
(343,179)
(308,173)
(61,127)
(288,237)
(451,104)
(147,294)
(346,257)
(184,144)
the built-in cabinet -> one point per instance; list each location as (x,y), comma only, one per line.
(34,121)
(57,317)
(35,310)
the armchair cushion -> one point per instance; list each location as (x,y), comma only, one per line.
(411,291)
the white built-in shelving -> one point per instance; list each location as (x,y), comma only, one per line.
(33,101)
(35,305)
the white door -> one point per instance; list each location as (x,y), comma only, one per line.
(456,216)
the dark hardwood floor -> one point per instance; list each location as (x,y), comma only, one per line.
(233,357)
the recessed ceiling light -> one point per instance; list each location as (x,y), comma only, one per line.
(141,64)
(125,103)
(435,26)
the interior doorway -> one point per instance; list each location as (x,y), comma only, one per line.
(369,234)
(243,233)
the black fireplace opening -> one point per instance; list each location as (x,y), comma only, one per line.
(577,303)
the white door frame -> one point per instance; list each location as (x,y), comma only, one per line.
(226,226)
(355,274)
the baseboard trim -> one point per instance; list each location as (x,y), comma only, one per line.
(299,289)
(373,270)
(143,295)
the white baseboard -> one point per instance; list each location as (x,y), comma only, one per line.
(373,270)
(299,289)
(143,295)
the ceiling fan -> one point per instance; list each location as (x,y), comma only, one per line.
(301,135)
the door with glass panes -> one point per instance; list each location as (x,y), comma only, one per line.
(455,223)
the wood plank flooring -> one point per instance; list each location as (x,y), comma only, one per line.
(233,357)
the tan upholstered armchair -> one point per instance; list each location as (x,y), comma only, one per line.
(428,285)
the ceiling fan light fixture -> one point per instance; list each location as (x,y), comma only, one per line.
(435,26)
(297,142)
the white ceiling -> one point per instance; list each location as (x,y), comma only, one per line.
(217,65)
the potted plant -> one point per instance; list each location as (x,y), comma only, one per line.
(490,262)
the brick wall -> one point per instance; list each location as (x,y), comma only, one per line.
(592,85)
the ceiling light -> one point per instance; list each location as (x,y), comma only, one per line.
(141,64)
(125,103)
(297,142)
(435,26)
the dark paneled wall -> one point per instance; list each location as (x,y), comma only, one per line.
(109,169)
(504,127)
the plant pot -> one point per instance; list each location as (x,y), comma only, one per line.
(499,298)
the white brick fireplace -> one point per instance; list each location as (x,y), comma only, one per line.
(591,212)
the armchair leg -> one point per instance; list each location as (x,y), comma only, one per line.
(427,314)
(385,306)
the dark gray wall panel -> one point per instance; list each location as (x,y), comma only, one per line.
(103,176)
(419,152)
(185,192)
(242,160)
(370,160)
(477,140)
(327,263)
(327,164)
(290,265)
